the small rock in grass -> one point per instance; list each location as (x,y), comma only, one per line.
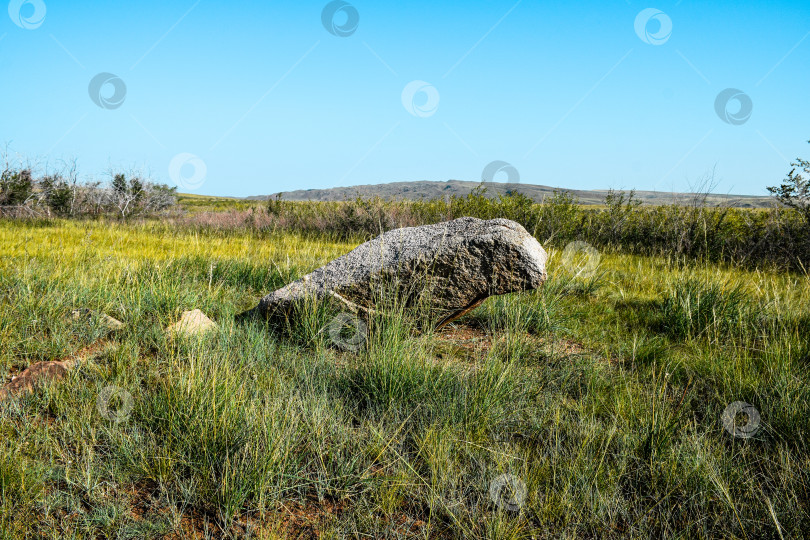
(192,323)
(102,318)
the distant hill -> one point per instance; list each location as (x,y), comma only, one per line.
(433,190)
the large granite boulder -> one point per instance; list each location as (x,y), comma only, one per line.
(448,267)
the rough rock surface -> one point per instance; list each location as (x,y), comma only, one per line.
(191,323)
(452,266)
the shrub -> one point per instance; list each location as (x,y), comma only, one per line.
(794,191)
(16,187)
(560,219)
(58,194)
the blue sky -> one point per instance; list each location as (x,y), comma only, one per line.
(257,97)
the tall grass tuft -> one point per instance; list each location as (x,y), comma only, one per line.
(695,308)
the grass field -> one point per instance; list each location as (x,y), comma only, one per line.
(191,203)
(590,409)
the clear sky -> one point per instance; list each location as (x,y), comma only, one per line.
(246,98)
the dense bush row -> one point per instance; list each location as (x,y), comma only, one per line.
(23,194)
(778,236)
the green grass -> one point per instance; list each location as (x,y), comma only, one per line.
(193,203)
(603,396)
